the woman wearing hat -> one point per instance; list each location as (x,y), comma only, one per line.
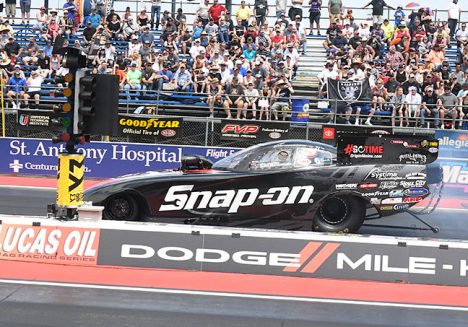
(41,20)
(214,90)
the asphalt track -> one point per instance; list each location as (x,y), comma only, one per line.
(33,303)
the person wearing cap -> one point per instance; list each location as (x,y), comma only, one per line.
(281,23)
(16,88)
(233,97)
(212,29)
(163,79)
(399,16)
(183,79)
(377,9)
(132,81)
(293,53)
(413,106)
(448,105)
(94,18)
(12,48)
(215,94)
(88,32)
(429,106)
(388,29)
(34,89)
(196,48)
(281,95)
(250,101)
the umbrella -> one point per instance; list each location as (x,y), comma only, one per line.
(413,5)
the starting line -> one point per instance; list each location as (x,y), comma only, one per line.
(292,266)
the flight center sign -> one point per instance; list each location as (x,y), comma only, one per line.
(160,128)
(328,257)
(102,159)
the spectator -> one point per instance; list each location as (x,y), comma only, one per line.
(250,100)
(10,9)
(399,16)
(12,48)
(183,79)
(243,14)
(143,19)
(411,82)
(314,15)
(88,32)
(164,78)
(429,106)
(34,89)
(16,90)
(335,9)
(133,81)
(397,103)
(260,11)
(25,6)
(264,102)
(295,9)
(216,11)
(202,12)
(234,98)
(462,36)
(454,11)
(155,13)
(280,6)
(94,18)
(413,107)
(448,106)
(377,9)
(214,90)
(282,94)
(148,75)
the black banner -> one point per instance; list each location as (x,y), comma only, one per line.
(353,149)
(349,91)
(160,128)
(261,131)
(39,120)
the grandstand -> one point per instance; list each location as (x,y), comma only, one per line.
(173,102)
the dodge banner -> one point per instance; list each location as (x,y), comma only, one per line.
(258,131)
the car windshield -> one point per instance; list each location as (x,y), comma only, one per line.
(277,157)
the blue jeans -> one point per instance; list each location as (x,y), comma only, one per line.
(434,113)
(136,90)
(155,11)
(224,37)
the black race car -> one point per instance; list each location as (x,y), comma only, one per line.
(281,184)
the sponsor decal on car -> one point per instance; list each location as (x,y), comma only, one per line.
(416,191)
(181,197)
(412,158)
(364,151)
(388,185)
(375,193)
(411,146)
(346,186)
(392,200)
(401,206)
(380,174)
(396,193)
(412,183)
(386,208)
(375,201)
(417,175)
(367,186)
(426,143)
(412,199)
(433,150)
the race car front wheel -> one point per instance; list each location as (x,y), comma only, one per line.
(121,207)
(340,214)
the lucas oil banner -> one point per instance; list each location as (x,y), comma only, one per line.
(102,159)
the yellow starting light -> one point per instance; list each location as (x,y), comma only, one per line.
(66,107)
(68,78)
(67,92)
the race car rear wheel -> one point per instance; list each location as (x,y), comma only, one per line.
(121,207)
(340,214)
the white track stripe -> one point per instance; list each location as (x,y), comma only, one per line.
(238,295)
(29,187)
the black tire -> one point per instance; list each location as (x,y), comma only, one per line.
(122,207)
(340,214)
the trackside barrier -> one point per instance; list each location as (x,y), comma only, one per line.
(196,249)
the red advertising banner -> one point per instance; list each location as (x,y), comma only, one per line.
(49,244)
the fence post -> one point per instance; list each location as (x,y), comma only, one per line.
(206,131)
(335,111)
(307,130)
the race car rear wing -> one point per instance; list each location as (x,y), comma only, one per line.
(360,149)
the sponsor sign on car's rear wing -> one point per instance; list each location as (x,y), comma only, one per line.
(358,149)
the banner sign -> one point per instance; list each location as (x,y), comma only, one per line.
(323,257)
(37,120)
(453,158)
(102,159)
(349,91)
(354,149)
(160,128)
(260,131)
(300,111)
(49,244)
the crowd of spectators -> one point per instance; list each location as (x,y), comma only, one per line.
(405,63)
(238,61)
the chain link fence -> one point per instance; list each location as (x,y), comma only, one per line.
(196,131)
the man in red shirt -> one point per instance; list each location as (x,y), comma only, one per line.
(216,11)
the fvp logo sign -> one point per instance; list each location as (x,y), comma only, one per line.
(70,180)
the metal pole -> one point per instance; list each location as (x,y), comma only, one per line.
(173,7)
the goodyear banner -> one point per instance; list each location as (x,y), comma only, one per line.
(149,127)
(453,158)
(258,131)
(70,177)
(102,159)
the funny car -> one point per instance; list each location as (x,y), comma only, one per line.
(279,184)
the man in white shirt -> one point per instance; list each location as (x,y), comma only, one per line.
(202,11)
(328,72)
(462,35)
(34,89)
(413,102)
(196,49)
(454,11)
